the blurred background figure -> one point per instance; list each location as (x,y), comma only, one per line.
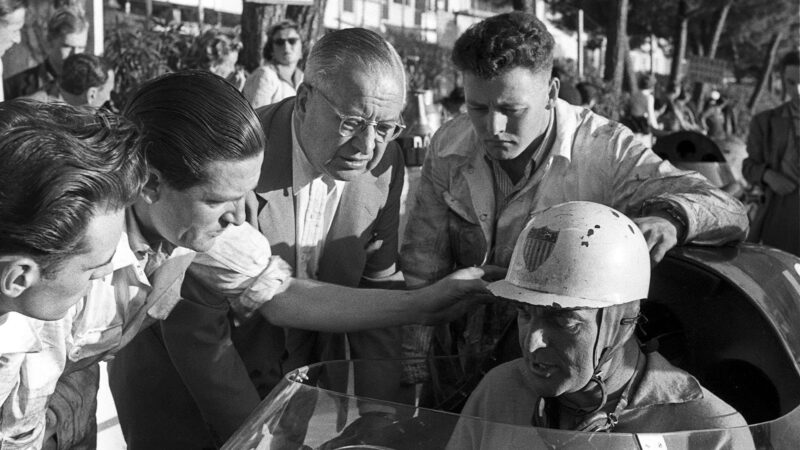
(279,75)
(87,80)
(712,118)
(589,93)
(642,116)
(676,114)
(453,105)
(67,32)
(567,90)
(773,163)
(12,19)
(217,52)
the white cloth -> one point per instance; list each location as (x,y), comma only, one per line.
(264,87)
(316,200)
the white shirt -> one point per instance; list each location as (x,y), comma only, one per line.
(316,198)
(34,353)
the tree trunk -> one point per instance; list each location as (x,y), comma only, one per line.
(630,74)
(766,71)
(723,16)
(617,48)
(309,18)
(256,20)
(700,88)
(679,42)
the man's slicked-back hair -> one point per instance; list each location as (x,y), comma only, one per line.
(190,119)
(351,49)
(500,43)
(59,166)
(64,21)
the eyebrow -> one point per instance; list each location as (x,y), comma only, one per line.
(106,262)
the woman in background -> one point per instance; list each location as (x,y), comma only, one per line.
(217,52)
(279,76)
(12,19)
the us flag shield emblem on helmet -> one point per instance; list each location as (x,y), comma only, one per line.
(538,247)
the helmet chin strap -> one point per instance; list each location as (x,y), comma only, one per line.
(595,419)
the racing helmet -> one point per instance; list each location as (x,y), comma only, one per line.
(577,255)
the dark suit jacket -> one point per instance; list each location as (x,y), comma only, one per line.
(181,384)
(767,143)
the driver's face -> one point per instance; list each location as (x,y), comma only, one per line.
(558,347)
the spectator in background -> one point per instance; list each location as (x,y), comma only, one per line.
(67,32)
(87,80)
(12,19)
(279,76)
(588,92)
(676,114)
(642,116)
(773,163)
(453,104)
(567,90)
(218,52)
(713,117)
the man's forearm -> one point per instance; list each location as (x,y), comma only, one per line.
(312,305)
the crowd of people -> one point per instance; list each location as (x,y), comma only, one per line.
(223,230)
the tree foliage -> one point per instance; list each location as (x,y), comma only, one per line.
(745,36)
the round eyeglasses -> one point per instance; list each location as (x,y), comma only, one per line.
(385,131)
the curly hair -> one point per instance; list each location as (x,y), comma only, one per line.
(64,21)
(83,71)
(211,48)
(498,44)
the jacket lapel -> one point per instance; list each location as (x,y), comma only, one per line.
(274,191)
(780,125)
(474,188)
(358,207)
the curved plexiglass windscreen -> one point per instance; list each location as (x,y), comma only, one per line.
(299,415)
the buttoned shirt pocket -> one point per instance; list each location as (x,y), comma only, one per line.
(467,242)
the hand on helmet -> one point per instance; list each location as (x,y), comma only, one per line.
(456,294)
(661,232)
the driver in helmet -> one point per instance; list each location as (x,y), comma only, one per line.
(578,273)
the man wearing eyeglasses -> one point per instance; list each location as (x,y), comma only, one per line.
(329,197)
(328,201)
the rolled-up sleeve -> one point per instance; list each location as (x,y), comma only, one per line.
(241,267)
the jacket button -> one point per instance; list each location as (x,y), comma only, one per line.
(470,170)
(484,216)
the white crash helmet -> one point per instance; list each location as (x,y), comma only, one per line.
(577,255)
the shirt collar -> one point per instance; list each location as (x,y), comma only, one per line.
(663,383)
(539,154)
(564,126)
(19,334)
(303,173)
(138,243)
